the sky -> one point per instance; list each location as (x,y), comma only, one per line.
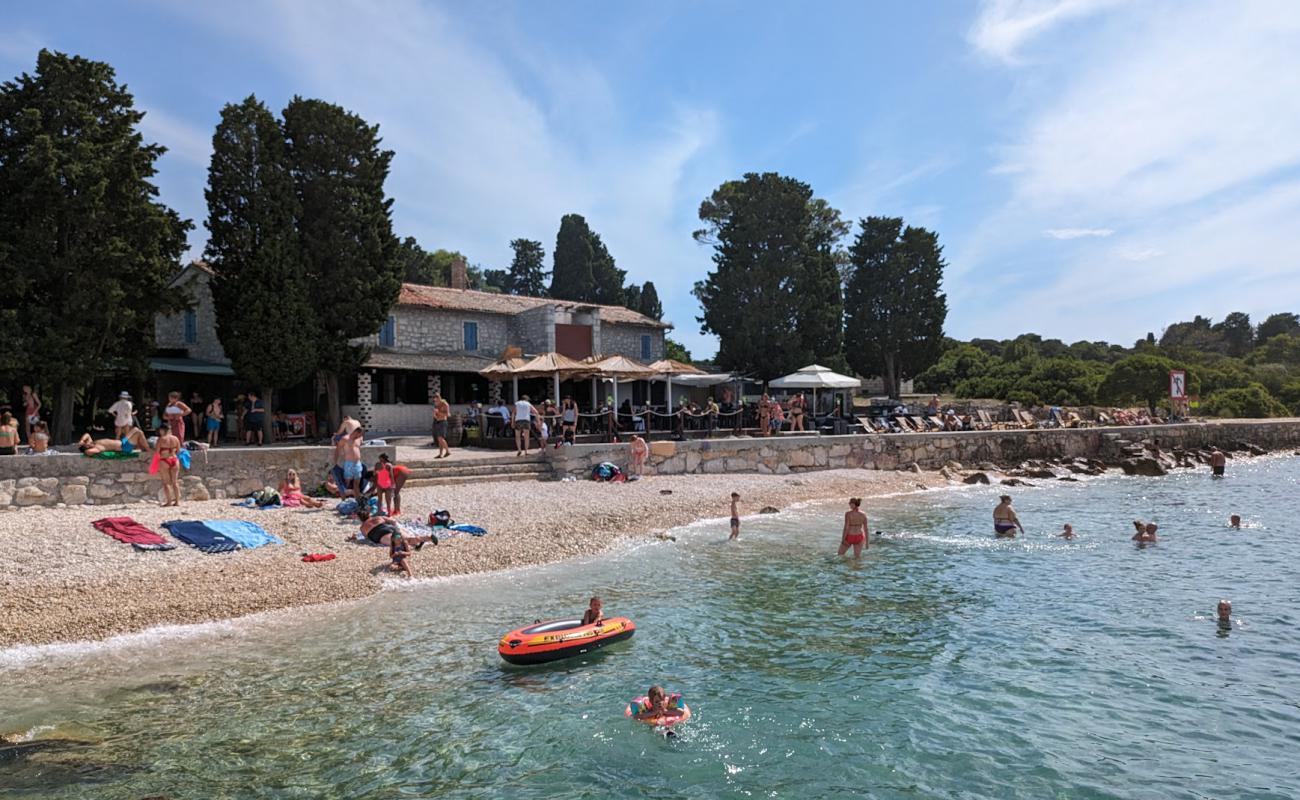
(1095,169)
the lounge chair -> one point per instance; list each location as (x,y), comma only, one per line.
(919,424)
(936,423)
(983,422)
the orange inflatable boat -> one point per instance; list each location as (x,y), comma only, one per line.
(562,638)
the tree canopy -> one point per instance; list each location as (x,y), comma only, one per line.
(528,272)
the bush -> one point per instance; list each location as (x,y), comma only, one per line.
(1290,397)
(1253,401)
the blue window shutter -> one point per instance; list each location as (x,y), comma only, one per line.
(471,335)
(191,327)
(388,333)
(645,347)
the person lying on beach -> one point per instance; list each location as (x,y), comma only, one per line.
(855,529)
(291,494)
(594,615)
(1234,521)
(132,442)
(735,516)
(399,551)
(1005,521)
(1068,532)
(379,530)
(1147,534)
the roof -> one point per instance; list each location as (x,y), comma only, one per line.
(426,362)
(193,268)
(668,366)
(442,297)
(192,366)
(815,376)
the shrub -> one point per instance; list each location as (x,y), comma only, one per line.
(1252,401)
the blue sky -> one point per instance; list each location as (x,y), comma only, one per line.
(1095,169)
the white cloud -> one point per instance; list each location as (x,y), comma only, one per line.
(1003,27)
(1077,233)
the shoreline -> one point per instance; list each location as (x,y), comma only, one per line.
(69,584)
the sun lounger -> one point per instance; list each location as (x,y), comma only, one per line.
(935,423)
(919,424)
(1027,420)
(983,422)
(904,424)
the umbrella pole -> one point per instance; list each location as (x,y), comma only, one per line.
(556,396)
(514,384)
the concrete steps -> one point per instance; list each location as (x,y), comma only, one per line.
(503,468)
(454,480)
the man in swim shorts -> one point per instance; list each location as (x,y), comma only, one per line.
(855,529)
(1218,462)
(130,443)
(1005,521)
(441,414)
(735,516)
(352,466)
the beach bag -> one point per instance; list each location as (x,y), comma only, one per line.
(266,497)
(605,471)
(441,518)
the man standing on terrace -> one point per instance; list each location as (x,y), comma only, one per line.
(441,413)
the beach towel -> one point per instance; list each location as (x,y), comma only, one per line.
(114,455)
(248,535)
(314,557)
(128,531)
(199,536)
(412,527)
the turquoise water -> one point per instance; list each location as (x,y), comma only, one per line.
(946,664)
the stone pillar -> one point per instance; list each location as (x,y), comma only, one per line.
(365,410)
(494,392)
(435,385)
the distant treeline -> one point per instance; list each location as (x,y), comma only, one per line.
(1237,369)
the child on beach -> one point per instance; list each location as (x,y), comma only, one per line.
(389,479)
(735,516)
(594,614)
(639,451)
(399,550)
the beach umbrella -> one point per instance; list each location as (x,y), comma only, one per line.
(814,377)
(617,368)
(554,365)
(667,368)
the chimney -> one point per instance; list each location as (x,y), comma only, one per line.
(459,274)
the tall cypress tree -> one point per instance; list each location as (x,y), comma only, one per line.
(649,301)
(86,251)
(608,278)
(571,273)
(527,270)
(895,311)
(345,230)
(266,318)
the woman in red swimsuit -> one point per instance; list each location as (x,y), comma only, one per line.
(166,452)
(855,529)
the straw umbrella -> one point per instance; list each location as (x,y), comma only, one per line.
(667,368)
(554,365)
(618,368)
(505,367)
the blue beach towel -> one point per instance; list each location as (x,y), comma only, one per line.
(200,536)
(248,535)
(472,530)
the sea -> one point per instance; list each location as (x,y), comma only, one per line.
(946,663)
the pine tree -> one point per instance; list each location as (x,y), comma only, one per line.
(608,289)
(895,311)
(266,319)
(571,275)
(632,297)
(86,250)
(649,302)
(527,270)
(345,230)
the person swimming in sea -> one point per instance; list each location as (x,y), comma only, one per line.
(1147,534)
(735,516)
(1067,532)
(1005,521)
(594,615)
(1218,462)
(1139,527)
(855,529)
(1235,521)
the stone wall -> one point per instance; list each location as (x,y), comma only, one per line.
(428,330)
(169,330)
(534,330)
(73,479)
(621,339)
(929,450)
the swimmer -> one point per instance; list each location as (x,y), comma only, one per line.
(1224,612)
(594,614)
(1235,521)
(1218,462)
(659,704)
(1147,534)
(735,516)
(855,529)
(1139,527)
(1005,521)
(1068,532)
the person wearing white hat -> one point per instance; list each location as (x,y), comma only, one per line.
(123,412)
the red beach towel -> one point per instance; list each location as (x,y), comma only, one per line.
(125,529)
(310,557)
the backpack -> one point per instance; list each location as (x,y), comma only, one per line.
(266,497)
(440,518)
(605,471)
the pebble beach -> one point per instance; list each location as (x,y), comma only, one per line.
(66,581)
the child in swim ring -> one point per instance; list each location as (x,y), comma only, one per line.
(659,704)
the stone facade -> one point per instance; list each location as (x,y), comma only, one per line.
(534,330)
(169,331)
(616,338)
(73,479)
(428,330)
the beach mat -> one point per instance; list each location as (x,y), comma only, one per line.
(200,536)
(416,528)
(128,531)
(248,535)
(114,455)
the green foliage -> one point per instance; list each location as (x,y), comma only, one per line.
(572,275)
(1142,378)
(608,278)
(1290,396)
(528,273)
(86,250)
(344,225)
(1281,349)
(266,319)
(1237,333)
(894,308)
(419,266)
(648,301)
(773,298)
(676,351)
(1252,401)
(960,362)
(1276,324)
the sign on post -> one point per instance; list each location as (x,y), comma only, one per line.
(1177,384)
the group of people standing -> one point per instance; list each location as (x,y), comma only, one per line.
(194,420)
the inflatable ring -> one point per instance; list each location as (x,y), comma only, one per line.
(561,638)
(679,712)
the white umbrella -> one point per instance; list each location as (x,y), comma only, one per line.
(815,376)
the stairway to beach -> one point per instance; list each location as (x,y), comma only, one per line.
(449,471)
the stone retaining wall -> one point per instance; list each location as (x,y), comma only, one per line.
(73,479)
(929,450)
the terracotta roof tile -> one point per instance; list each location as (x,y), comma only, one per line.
(442,297)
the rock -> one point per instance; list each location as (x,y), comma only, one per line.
(1143,466)
(1068,478)
(10,485)
(1014,482)
(913,467)
(945,474)
(769,510)
(782,469)
(975,477)
(989,466)
(77,480)
(665,537)
(100,492)
(6,498)
(1037,472)
(198,492)
(1255,449)
(31,496)
(24,482)
(48,485)
(73,494)
(953,466)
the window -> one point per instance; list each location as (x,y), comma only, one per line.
(645,348)
(191,327)
(471,335)
(388,333)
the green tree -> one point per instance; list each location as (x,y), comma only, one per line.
(608,278)
(1198,334)
(958,363)
(1250,402)
(649,301)
(1143,378)
(1277,324)
(632,297)
(266,318)
(571,272)
(895,309)
(86,250)
(676,351)
(527,270)
(771,299)
(1237,333)
(1290,395)
(418,265)
(1283,348)
(345,231)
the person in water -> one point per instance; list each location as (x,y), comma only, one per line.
(1147,534)
(134,441)
(1068,532)
(855,529)
(1218,462)
(594,615)
(1224,612)
(659,704)
(735,516)
(1139,527)
(1005,521)
(1235,521)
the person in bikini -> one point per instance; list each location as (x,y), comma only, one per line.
(167,456)
(390,478)
(132,442)
(8,435)
(594,615)
(380,529)
(399,554)
(855,529)
(1005,521)
(796,412)
(639,450)
(291,495)
(735,516)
